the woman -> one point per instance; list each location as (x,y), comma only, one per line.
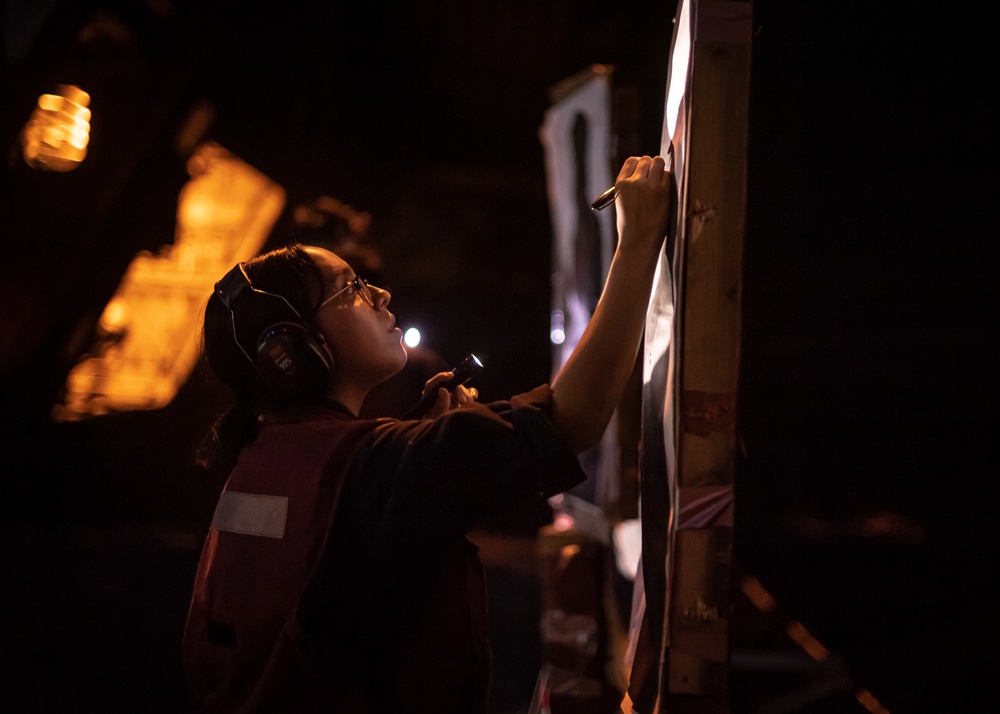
(336,575)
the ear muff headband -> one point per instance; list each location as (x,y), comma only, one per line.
(291,358)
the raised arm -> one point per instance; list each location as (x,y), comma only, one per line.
(590,384)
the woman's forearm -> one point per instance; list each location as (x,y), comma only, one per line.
(588,388)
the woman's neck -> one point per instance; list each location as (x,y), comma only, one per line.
(349,398)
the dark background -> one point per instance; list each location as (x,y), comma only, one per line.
(866,495)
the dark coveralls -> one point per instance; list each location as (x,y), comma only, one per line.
(336,575)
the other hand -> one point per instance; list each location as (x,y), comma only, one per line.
(643,201)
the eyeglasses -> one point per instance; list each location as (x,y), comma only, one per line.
(359,286)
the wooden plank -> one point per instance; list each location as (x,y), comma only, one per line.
(708,275)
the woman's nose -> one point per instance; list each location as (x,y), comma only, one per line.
(381,296)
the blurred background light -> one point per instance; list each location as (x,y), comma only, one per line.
(411,337)
(557,331)
(147,340)
(56,136)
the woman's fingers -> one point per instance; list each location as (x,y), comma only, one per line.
(441,404)
(465,395)
(658,167)
(628,167)
(445,400)
(640,167)
(435,381)
(643,199)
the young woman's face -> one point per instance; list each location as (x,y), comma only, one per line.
(364,339)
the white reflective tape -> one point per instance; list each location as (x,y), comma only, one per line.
(251,514)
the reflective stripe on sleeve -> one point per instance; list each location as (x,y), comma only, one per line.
(251,514)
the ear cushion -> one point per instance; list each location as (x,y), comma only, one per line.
(292,360)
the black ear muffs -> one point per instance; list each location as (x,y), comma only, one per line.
(291,358)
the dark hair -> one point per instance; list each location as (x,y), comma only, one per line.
(290,273)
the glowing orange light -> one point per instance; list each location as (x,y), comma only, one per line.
(568,551)
(148,335)
(56,136)
(797,631)
(870,702)
(756,593)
